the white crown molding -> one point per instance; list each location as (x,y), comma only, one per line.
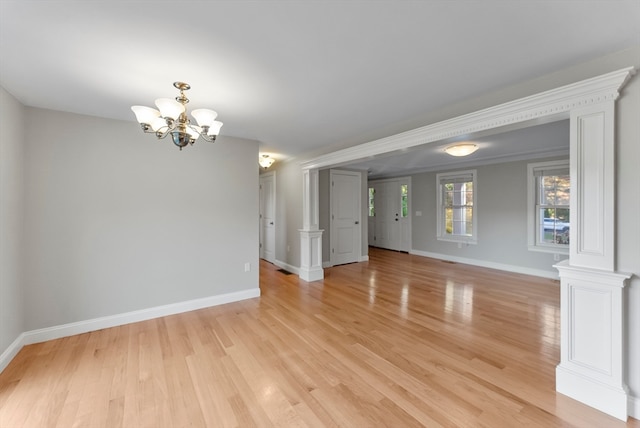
(545,105)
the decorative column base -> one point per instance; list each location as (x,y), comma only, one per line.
(610,400)
(591,368)
(311,255)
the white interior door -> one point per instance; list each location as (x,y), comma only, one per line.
(268,217)
(345,236)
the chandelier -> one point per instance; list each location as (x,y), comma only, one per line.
(171,118)
(265,161)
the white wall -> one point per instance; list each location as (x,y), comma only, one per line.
(11,219)
(502,220)
(117,221)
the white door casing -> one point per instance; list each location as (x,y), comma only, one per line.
(346,231)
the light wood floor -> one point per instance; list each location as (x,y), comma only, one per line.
(398,341)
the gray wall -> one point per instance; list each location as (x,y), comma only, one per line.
(11,219)
(288,212)
(117,221)
(502,218)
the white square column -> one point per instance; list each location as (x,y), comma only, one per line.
(592,358)
(310,234)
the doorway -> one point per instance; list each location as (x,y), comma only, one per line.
(346,231)
(268,216)
(390,214)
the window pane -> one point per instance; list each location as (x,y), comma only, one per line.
(404,191)
(372,210)
(455,213)
(448,216)
(448,198)
(553,228)
(562,190)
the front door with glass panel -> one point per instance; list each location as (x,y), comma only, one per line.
(389,214)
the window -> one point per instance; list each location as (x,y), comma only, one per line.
(404,200)
(372,210)
(548,217)
(456,201)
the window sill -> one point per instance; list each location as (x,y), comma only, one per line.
(458,240)
(551,250)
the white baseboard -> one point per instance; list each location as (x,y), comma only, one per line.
(486,264)
(634,407)
(328,264)
(610,400)
(64,330)
(11,352)
(287,267)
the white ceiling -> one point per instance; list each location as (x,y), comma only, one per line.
(532,142)
(297,75)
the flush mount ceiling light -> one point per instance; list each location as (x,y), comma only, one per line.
(172,119)
(265,161)
(463,149)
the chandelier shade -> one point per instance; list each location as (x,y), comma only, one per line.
(171,118)
(145,114)
(204,117)
(170,108)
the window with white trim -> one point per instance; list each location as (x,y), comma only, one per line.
(549,187)
(457,219)
(372,209)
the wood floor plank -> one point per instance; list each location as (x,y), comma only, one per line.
(398,341)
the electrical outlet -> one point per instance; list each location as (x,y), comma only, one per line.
(247,267)
(556,257)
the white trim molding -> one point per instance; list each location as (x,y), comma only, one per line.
(57,332)
(545,106)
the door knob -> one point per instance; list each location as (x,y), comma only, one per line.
(357,222)
(271,223)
